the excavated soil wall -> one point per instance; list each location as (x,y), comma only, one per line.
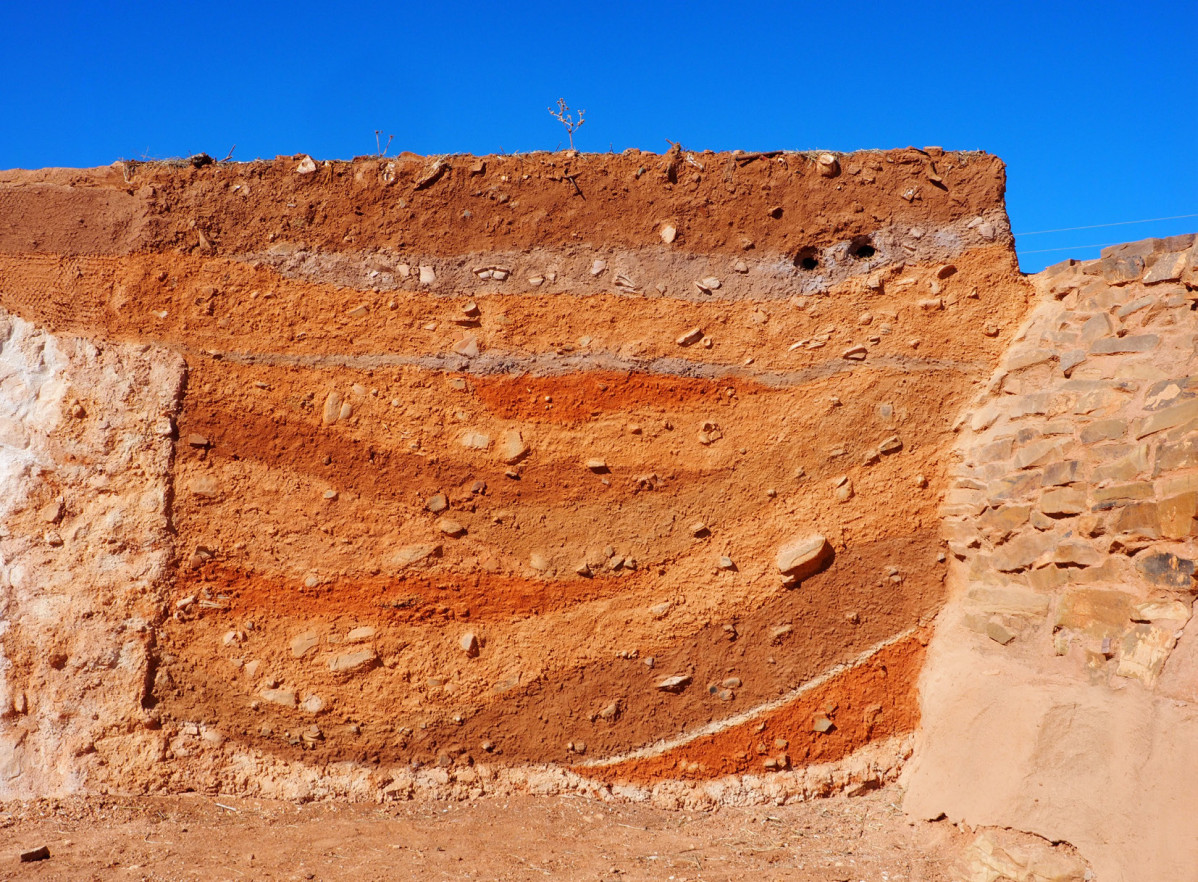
(461,474)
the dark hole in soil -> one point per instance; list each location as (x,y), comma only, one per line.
(806,259)
(862,248)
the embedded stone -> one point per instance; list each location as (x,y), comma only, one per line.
(805,556)
(332,409)
(284,697)
(514,449)
(467,346)
(450,528)
(348,662)
(469,644)
(694,335)
(674,684)
(303,644)
(476,440)
(1024,358)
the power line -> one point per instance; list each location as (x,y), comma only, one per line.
(1096,226)
(1069,248)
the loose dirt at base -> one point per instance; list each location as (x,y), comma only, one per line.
(199,837)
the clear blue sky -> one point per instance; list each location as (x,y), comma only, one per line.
(1092,105)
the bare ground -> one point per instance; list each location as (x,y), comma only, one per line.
(838,839)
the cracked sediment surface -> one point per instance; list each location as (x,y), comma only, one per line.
(359,350)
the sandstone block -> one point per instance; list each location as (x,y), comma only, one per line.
(1142,653)
(1071,359)
(1014,486)
(1021,552)
(1039,453)
(1176,515)
(1006,601)
(1120,270)
(999,633)
(1063,502)
(805,556)
(1140,521)
(1125,345)
(1074,552)
(1103,430)
(1110,497)
(1166,569)
(1006,518)
(1096,612)
(1060,473)
(1025,357)
(1166,268)
(1162,611)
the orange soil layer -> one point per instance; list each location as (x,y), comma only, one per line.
(221,305)
(405,707)
(874,700)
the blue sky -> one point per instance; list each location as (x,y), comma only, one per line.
(1092,105)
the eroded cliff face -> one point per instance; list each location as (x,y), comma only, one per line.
(472,474)
(1059,692)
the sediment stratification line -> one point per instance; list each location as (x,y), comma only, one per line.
(714,728)
(499,363)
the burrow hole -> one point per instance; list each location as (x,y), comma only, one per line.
(807,259)
(862,248)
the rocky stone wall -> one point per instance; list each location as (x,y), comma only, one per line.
(1059,695)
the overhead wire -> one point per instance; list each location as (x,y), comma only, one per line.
(1148,220)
